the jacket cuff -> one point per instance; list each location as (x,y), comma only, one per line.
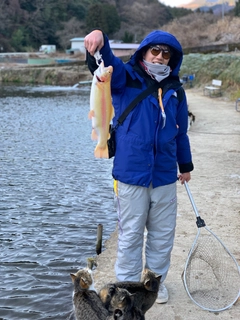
(91,62)
(186,167)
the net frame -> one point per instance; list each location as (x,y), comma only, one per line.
(211,274)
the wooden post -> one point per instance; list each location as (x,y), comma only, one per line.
(99,239)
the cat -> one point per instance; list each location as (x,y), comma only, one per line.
(145,292)
(122,306)
(191,119)
(86,303)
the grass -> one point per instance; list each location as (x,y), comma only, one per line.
(221,66)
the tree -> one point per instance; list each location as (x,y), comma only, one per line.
(45,21)
(71,29)
(237,9)
(103,16)
(17,40)
(179,12)
(128,37)
(76,9)
(28,5)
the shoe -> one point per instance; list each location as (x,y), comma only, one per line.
(162,294)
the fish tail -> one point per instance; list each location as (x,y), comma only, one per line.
(101,152)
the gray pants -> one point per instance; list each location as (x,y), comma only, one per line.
(137,208)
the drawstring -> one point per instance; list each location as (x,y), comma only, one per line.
(161,106)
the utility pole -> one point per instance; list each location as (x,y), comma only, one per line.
(222,10)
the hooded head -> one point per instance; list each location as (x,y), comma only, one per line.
(161,37)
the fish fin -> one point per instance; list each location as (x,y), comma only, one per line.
(91,114)
(101,152)
(94,135)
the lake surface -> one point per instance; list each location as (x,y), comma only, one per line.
(53,195)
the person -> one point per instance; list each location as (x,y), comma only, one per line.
(152,151)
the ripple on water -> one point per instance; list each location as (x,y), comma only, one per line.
(53,196)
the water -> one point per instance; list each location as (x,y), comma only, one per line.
(53,194)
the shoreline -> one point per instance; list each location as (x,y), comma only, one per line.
(65,70)
(215,186)
(61,74)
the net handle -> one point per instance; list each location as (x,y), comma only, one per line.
(200,222)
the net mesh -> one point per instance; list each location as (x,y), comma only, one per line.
(211,274)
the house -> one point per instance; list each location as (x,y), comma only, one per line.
(123,49)
(77,44)
(119,49)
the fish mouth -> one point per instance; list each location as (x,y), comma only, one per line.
(98,79)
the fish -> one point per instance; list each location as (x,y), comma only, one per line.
(101,109)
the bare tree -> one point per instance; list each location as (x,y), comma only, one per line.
(71,29)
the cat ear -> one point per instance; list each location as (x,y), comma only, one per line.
(147,283)
(145,271)
(112,288)
(158,277)
(122,298)
(73,277)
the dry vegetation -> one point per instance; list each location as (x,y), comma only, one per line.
(139,18)
(196,30)
(204,29)
(222,66)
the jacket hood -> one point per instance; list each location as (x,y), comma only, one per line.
(161,37)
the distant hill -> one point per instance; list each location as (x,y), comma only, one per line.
(203,29)
(26,25)
(217,8)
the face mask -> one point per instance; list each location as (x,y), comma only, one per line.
(158,71)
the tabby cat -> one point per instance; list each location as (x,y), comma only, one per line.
(86,303)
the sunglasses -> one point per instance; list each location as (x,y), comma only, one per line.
(166,54)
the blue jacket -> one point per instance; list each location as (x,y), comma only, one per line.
(145,152)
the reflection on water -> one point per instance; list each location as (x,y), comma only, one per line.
(54,193)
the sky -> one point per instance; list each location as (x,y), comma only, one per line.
(193,4)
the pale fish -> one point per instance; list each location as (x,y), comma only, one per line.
(101,109)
